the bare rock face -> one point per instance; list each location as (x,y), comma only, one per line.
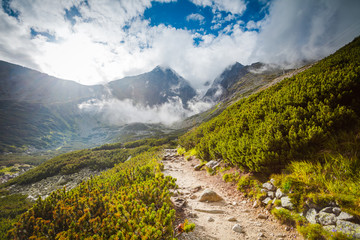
(210,196)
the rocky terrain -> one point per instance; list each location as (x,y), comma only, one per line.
(8,173)
(44,187)
(221,212)
(217,208)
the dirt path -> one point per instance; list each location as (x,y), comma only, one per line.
(217,226)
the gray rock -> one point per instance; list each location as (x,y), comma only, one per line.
(279,194)
(237,228)
(212,164)
(210,219)
(198,167)
(263,190)
(325,218)
(269,186)
(345,216)
(327,210)
(336,211)
(286,203)
(348,228)
(272,181)
(311,215)
(210,196)
(256,204)
(267,200)
(232,219)
(271,194)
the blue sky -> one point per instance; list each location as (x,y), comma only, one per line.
(95,42)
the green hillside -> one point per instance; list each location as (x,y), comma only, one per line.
(291,120)
(303,132)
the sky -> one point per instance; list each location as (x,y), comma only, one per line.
(97,41)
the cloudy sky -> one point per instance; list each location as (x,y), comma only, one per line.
(96,41)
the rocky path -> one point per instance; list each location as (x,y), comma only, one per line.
(231,218)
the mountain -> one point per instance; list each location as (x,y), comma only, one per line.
(41,111)
(238,79)
(157,87)
(25,85)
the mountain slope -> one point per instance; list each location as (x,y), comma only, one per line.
(42,112)
(289,120)
(238,79)
(26,85)
(159,86)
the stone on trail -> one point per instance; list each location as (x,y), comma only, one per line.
(237,228)
(210,196)
(232,219)
(262,216)
(210,219)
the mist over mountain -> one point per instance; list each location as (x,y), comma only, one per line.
(238,79)
(153,88)
(43,111)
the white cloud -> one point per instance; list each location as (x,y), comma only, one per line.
(251,25)
(232,6)
(297,30)
(196,17)
(99,48)
(116,112)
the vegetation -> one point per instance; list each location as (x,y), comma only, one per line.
(304,131)
(288,121)
(130,201)
(11,207)
(98,158)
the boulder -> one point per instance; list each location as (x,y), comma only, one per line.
(269,186)
(267,200)
(311,215)
(348,228)
(279,194)
(345,216)
(198,167)
(237,228)
(286,203)
(271,194)
(336,211)
(327,210)
(210,196)
(325,218)
(212,164)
